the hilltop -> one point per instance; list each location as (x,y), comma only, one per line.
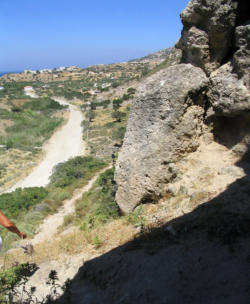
(115,74)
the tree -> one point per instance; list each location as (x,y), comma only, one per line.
(131,91)
(117,115)
(91,115)
(116,104)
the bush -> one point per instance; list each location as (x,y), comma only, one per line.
(9,144)
(117,115)
(14,287)
(16,203)
(125,96)
(12,278)
(98,205)
(131,91)
(78,168)
(116,104)
(118,134)
(43,104)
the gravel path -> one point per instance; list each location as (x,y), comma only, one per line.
(65,143)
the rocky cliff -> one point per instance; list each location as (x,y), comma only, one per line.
(175,107)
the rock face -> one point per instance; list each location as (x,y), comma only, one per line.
(208,32)
(241,59)
(172,106)
(164,123)
(227,93)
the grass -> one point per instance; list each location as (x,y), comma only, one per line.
(75,172)
(136,217)
(32,121)
(97,206)
(28,207)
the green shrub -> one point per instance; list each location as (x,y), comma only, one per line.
(117,115)
(43,104)
(118,134)
(98,205)
(131,91)
(78,168)
(97,242)
(125,96)
(116,103)
(21,200)
(136,217)
(9,144)
(13,277)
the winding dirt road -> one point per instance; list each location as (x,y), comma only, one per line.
(65,143)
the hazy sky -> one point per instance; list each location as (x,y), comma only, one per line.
(39,34)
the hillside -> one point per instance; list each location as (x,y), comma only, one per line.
(158,211)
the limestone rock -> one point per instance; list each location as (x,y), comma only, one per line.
(165,122)
(227,94)
(241,58)
(210,25)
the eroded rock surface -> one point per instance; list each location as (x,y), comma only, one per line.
(168,114)
(241,58)
(228,94)
(210,25)
(165,122)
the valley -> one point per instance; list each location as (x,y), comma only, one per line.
(132,179)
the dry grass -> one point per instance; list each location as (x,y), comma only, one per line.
(75,241)
(4,124)
(18,164)
(20,102)
(104,116)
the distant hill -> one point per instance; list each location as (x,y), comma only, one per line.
(126,70)
(157,56)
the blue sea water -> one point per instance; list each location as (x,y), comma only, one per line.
(2,73)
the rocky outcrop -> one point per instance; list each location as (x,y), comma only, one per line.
(227,94)
(241,59)
(171,106)
(207,36)
(164,123)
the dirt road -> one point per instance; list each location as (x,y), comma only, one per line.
(65,143)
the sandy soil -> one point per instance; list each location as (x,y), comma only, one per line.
(65,143)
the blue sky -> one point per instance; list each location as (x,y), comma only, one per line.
(39,34)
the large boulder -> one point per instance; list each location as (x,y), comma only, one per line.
(227,94)
(165,123)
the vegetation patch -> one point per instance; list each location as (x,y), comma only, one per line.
(28,206)
(97,206)
(75,172)
(105,131)
(32,123)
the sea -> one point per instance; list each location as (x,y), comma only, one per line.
(2,73)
